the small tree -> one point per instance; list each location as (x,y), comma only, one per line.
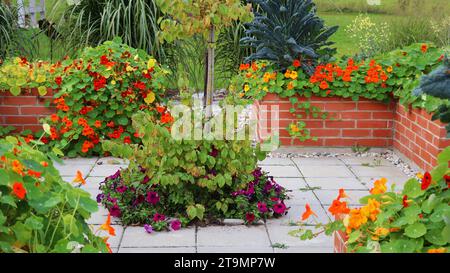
(185,18)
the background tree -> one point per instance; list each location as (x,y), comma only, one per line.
(185,18)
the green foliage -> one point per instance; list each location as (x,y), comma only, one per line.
(276,36)
(12,40)
(187,179)
(39,212)
(90,23)
(413,220)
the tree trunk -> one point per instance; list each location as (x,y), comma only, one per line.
(209,82)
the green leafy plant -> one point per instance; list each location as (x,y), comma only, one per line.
(99,92)
(90,23)
(415,219)
(188,180)
(39,212)
(276,35)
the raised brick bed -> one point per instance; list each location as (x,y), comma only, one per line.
(364,122)
(417,137)
(24,111)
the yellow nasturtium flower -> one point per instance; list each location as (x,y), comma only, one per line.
(129,68)
(40,78)
(246,87)
(151,63)
(150,97)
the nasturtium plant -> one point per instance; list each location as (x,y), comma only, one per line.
(385,77)
(414,219)
(98,92)
(188,180)
(39,212)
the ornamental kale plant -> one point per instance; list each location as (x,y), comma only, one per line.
(186,180)
(39,212)
(285,30)
(97,93)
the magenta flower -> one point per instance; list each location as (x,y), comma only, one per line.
(115,211)
(250,217)
(148,228)
(279,208)
(121,189)
(175,224)
(214,152)
(159,217)
(145,180)
(152,197)
(262,207)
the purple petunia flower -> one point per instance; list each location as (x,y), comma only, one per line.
(145,180)
(214,152)
(175,224)
(152,197)
(279,208)
(115,211)
(159,217)
(100,197)
(148,228)
(262,207)
(122,189)
(114,176)
(257,173)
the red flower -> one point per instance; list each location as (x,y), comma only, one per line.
(105,61)
(110,124)
(405,201)
(58,80)
(424,48)
(447,179)
(296,63)
(99,83)
(127,140)
(19,190)
(250,217)
(139,85)
(426,181)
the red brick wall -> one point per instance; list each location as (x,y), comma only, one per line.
(364,122)
(24,111)
(417,137)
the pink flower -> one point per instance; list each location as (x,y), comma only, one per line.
(262,207)
(279,208)
(159,217)
(175,224)
(250,217)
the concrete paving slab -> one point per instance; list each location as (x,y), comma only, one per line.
(138,237)
(330,183)
(235,236)
(325,171)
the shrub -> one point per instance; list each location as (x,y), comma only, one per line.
(276,35)
(188,180)
(98,93)
(413,220)
(370,37)
(39,212)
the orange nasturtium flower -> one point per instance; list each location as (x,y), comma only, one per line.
(19,190)
(17,167)
(342,194)
(79,178)
(372,209)
(308,212)
(107,226)
(354,220)
(437,250)
(379,186)
(424,48)
(108,246)
(323,85)
(44,163)
(338,207)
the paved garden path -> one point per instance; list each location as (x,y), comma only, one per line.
(312,180)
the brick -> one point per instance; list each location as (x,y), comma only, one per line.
(37,110)
(356,133)
(372,106)
(356,115)
(382,132)
(340,106)
(383,115)
(9,110)
(372,124)
(20,120)
(19,100)
(325,132)
(340,124)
